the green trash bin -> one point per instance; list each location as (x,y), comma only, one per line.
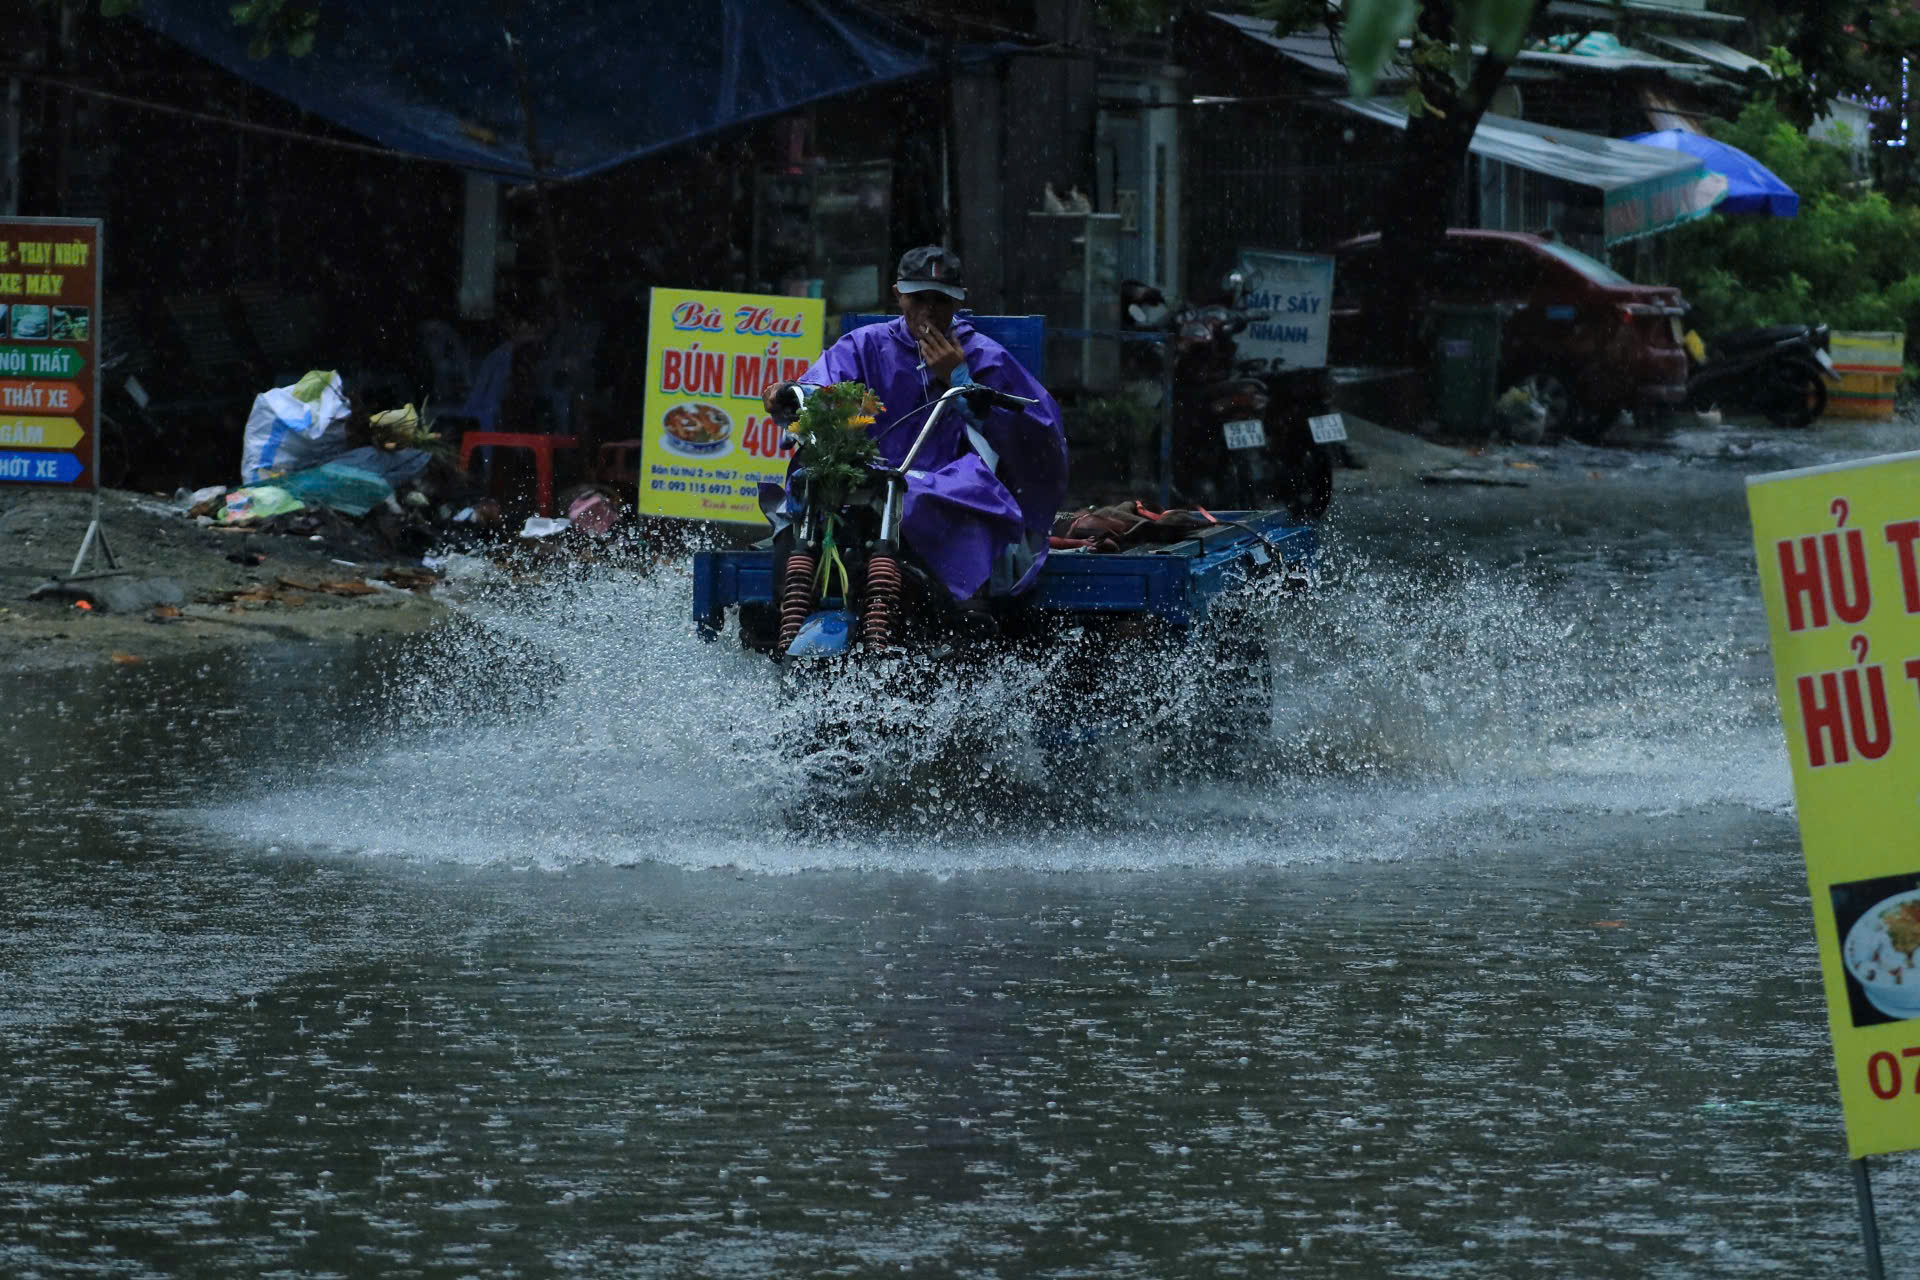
(1466,365)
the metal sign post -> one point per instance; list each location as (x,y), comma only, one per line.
(1869,1229)
(96,537)
(1166,424)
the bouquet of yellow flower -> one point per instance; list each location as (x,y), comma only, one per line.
(404,429)
(834,445)
(837,454)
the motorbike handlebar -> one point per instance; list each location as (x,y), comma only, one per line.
(975,394)
(972,391)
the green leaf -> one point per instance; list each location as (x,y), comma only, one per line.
(300,44)
(117,8)
(1293,15)
(834,448)
(1501,25)
(1374,29)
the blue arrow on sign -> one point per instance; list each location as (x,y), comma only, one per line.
(17,467)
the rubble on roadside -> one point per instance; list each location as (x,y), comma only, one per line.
(349,525)
(293,592)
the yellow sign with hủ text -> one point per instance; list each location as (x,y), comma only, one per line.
(707,442)
(1839,556)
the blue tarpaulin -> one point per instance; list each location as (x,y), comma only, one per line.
(1751,186)
(610,79)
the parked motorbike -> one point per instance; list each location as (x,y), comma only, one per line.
(1246,433)
(1780,373)
(136,449)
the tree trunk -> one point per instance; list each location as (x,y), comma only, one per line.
(1432,157)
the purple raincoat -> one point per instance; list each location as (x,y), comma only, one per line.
(972,525)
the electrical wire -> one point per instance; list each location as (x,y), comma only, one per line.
(250,126)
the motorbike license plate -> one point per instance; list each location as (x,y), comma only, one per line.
(1247,433)
(1327,428)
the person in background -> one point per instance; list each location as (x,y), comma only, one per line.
(983,492)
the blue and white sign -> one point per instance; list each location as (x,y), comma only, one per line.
(18,467)
(1295,290)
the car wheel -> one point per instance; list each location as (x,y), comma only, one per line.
(1799,398)
(1591,426)
(1647,417)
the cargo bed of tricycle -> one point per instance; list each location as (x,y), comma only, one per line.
(1176,582)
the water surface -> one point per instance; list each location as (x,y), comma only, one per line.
(511,952)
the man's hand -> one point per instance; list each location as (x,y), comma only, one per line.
(782,402)
(940,352)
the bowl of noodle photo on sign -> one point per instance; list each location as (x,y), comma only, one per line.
(1878,923)
(696,430)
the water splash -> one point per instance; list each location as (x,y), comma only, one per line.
(579,718)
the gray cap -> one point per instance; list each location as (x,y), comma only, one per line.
(930,267)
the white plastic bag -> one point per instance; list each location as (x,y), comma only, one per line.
(294,427)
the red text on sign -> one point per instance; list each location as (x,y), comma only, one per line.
(692,372)
(1884,1076)
(753,375)
(695,315)
(1842,709)
(1828,569)
(1902,537)
(762,438)
(764,322)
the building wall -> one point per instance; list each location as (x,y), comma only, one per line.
(1137,161)
(979,165)
(1288,176)
(1019,124)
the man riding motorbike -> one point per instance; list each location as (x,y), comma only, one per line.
(983,492)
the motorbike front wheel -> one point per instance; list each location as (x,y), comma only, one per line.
(1799,397)
(1305,469)
(1311,474)
(1246,485)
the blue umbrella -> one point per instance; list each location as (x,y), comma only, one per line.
(1751,186)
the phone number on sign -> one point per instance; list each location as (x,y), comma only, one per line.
(1884,1076)
(700,486)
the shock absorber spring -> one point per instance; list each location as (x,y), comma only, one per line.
(796,596)
(880,623)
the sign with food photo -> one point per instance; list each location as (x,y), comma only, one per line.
(1839,557)
(49,363)
(707,442)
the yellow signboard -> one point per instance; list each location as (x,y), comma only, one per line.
(40,433)
(1839,556)
(707,441)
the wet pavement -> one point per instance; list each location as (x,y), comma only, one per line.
(505,953)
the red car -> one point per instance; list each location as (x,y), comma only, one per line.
(1590,341)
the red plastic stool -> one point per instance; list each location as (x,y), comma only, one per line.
(541,447)
(620,463)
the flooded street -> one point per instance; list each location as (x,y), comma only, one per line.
(508,954)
